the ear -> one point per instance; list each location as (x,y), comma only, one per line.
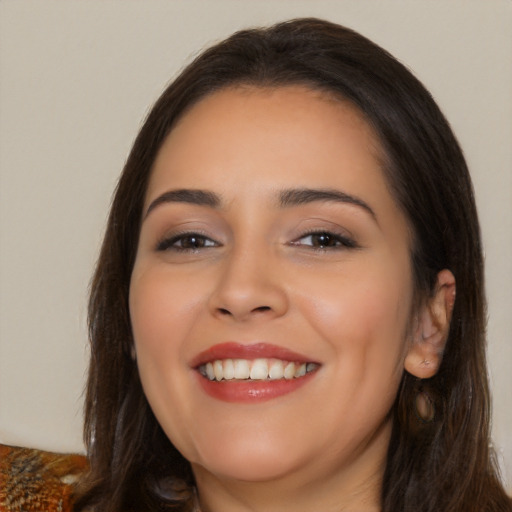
(431,329)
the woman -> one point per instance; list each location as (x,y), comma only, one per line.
(273,316)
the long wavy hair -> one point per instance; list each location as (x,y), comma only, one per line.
(442,465)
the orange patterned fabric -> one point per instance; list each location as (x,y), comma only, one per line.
(34,480)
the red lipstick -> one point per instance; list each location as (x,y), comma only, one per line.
(249,390)
(232,350)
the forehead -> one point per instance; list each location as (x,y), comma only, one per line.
(246,138)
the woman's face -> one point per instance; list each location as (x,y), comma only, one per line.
(271,247)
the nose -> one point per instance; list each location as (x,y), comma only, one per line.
(249,286)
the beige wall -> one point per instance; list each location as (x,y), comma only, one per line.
(76,78)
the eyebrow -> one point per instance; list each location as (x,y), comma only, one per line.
(191,196)
(296,197)
(287,198)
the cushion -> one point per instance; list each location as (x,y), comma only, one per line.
(32,479)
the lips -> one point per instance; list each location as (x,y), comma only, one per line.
(232,350)
(251,373)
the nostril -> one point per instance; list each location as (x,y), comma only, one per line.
(262,308)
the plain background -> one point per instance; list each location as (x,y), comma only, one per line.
(76,80)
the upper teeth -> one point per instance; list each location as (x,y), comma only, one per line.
(256,369)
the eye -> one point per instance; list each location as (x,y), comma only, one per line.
(186,242)
(325,240)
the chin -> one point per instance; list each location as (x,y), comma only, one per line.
(248,461)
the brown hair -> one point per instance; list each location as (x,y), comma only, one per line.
(445,464)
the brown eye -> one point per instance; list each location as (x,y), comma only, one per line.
(192,242)
(186,242)
(325,240)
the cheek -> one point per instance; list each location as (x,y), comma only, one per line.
(160,310)
(364,317)
(161,317)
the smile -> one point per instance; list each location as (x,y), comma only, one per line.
(255,369)
(253,373)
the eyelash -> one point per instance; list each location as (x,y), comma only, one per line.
(339,242)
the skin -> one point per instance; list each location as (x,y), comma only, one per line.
(257,275)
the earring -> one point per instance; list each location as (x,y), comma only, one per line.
(424,406)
